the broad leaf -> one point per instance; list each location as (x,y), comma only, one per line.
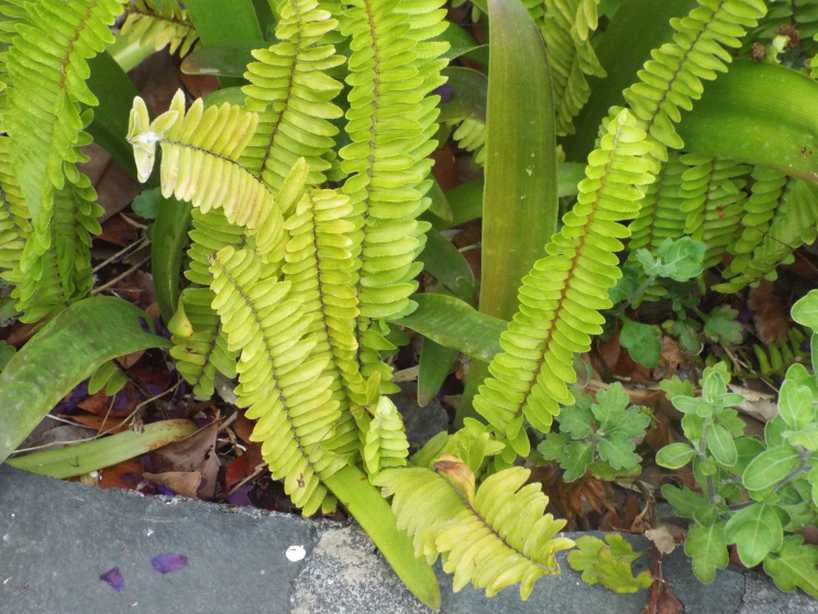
(168,241)
(756,531)
(643,342)
(62,354)
(795,404)
(770,467)
(805,311)
(795,566)
(707,547)
(721,445)
(675,455)
(721,326)
(81,458)
(608,563)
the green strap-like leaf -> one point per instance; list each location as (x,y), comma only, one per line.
(61,355)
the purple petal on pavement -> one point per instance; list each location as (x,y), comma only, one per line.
(168,562)
(114,578)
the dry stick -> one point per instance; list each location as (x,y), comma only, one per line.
(256,472)
(135,246)
(120,277)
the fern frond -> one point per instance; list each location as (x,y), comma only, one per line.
(291,91)
(14,224)
(55,266)
(661,216)
(47,67)
(795,224)
(200,164)
(493,536)
(470,136)
(671,80)
(768,191)
(160,23)
(566,30)
(209,233)
(562,295)
(320,265)
(385,444)
(801,14)
(199,347)
(284,391)
(391,123)
(713,197)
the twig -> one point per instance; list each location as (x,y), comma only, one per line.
(135,246)
(120,277)
(256,471)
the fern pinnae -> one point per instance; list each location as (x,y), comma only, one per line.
(566,30)
(661,216)
(282,388)
(493,536)
(160,23)
(560,298)
(385,443)
(47,66)
(291,91)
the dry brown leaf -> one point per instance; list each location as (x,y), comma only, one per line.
(770,315)
(760,405)
(196,453)
(185,483)
(662,538)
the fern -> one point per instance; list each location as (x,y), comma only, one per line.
(713,197)
(562,295)
(795,223)
(47,65)
(492,536)
(14,224)
(385,443)
(292,94)
(200,153)
(566,29)
(802,14)
(661,216)
(160,23)
(471,136)
(287,395)
(560,299)
(199,347)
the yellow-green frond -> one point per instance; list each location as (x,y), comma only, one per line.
(282,387)
(385,444)
(493,536)
(160,23)
(291,91)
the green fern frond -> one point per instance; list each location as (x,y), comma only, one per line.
(160,23)
(385,444)
(55,267)
(802,14)
(562,295)
(671,80)
(200,165)
(47,67)
(14,224)
(470,136)
(661,216)
(283,389)
(493,536)
(566,30)
(768,192)
(794,224)
(391,123)
(209,233)
(713,198)
(292,94)
(199,347)
(319,262)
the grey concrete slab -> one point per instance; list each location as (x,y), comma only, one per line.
(57,538)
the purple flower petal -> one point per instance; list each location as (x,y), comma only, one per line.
(242,496)
(168,562)
(114,578)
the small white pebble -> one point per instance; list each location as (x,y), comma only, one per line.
(6,538)
(148,532)
(295,553)
(134,604)
(13,515)
(262,572)
(6,581)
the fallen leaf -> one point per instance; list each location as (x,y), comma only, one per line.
(185,483)
(759,405)
(200,86)
(662,538)
(125,475)
(196,453)
(770,315)
(444,169)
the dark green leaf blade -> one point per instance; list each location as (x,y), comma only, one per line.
(64,353)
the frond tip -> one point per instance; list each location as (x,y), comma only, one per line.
(493,536)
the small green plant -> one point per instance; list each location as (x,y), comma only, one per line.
(598,437)
(608,563)
(756,493)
